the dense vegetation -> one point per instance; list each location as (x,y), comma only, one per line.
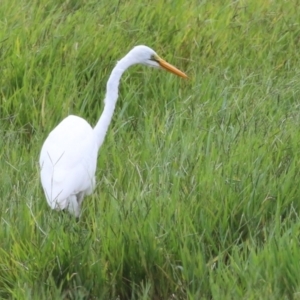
(198,192)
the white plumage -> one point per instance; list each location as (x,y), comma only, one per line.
(68,158)
(68,164)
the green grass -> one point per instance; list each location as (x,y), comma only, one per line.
(198,180)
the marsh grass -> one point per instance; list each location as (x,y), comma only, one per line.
(197,184)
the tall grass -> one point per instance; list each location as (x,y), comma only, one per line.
(198,194)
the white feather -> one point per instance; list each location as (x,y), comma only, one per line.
(68,157)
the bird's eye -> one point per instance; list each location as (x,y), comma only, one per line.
(153,58)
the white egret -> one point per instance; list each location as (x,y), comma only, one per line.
(68,157)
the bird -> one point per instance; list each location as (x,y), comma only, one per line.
(68,158)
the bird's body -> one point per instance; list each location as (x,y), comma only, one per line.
(68,157)
(68,164)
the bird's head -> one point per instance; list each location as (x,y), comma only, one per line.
(146,56)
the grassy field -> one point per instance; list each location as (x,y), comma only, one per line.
(198,192)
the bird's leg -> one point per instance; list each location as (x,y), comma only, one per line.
(80,198)
(74,207)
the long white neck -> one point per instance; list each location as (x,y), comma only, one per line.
(111,98)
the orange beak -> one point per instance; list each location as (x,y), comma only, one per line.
(170,68)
